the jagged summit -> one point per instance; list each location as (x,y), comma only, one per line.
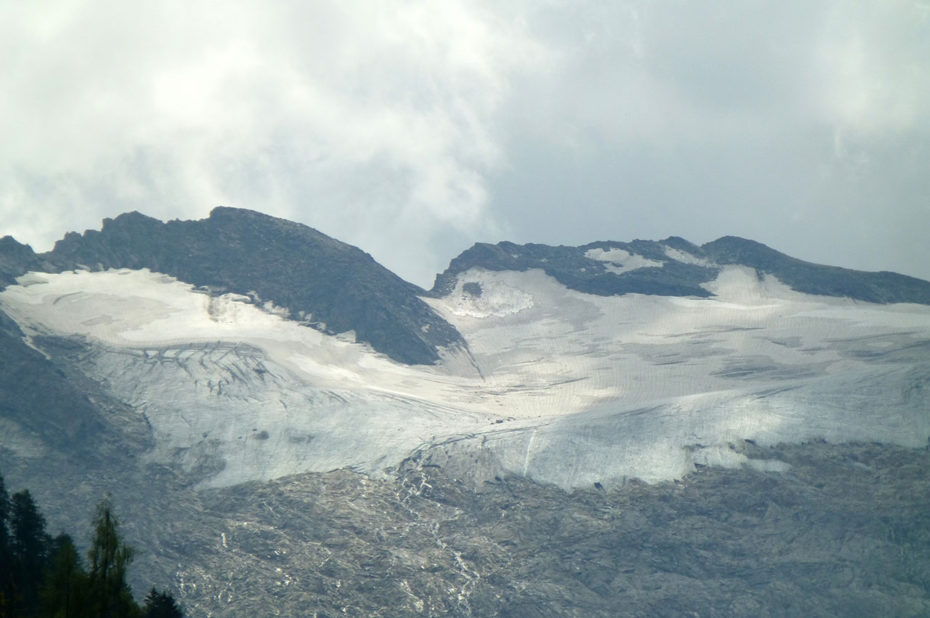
(15,259)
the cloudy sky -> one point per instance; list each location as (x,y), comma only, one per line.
(413,129)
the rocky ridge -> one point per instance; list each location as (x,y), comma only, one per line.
(676,267)
(318,280)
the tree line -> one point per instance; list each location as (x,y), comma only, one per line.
(42,576)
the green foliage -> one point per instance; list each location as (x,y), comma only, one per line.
(109,559)
(65,589)
(43,577)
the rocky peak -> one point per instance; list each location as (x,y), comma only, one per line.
(680,244)
(329,284)
(605,268)
(876,287)
(15,259)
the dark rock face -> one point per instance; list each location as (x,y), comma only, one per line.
(35,394)
(880,287)
(51,401)
(15,259)
(335,286)
(571,267)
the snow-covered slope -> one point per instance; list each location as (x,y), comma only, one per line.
(649,386)
(232,390)
(556,384)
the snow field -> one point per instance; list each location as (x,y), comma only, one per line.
(558,385)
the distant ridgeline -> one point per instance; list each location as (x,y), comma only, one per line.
(676,267)
(603,268)
(337,288)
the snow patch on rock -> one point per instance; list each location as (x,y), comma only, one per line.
(619,261)
(493,296)
(685,257)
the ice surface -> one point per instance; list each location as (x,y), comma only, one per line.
(684,256)
(559,385)
(494,299)
(619,261)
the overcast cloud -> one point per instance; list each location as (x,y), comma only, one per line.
(414,129)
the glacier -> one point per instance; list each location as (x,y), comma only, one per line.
(554,384)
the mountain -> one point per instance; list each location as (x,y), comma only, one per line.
(641,428)
(675,267)
(316,279)
(16,259)
(881,287)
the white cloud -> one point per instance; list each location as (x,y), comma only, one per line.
(413,129)
(799,124)
(372,121)
(873,65)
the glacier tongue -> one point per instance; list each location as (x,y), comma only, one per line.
(229,414)
(233,392)
(558,385)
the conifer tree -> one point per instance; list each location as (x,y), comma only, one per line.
(109,559)
(64,593)
(6,557)
(29,544)
(4,516)
(161,605)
